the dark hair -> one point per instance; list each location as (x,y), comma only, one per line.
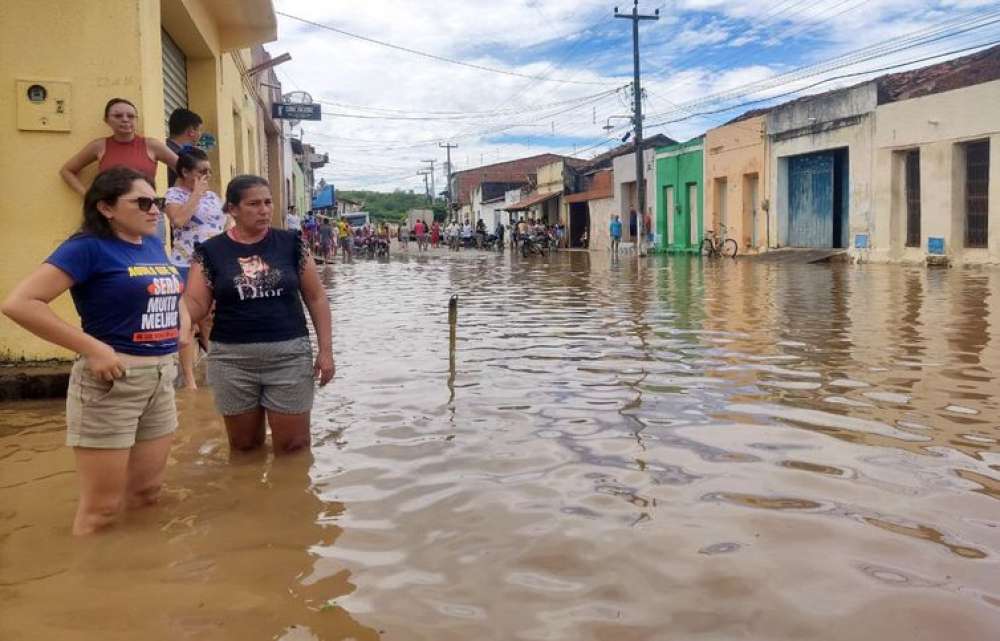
(108,187)
(188,159)
(181,120)
(237,186)
(115,101)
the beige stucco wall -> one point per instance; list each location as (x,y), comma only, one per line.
(624,185)
(859,140)
(839,119)
(601,210)
(937,125)
(734,155)
(551,179)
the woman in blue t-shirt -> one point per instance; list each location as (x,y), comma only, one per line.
(260,360)
(120,410)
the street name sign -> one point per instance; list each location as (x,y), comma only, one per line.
(294,111)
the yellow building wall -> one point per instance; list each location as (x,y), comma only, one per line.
(550,180)
(734,153)
(69,41)
(550,177)
(38,210)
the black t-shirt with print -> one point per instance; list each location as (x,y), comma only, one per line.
(256,287)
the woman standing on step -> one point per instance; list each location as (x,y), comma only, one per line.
(123,148)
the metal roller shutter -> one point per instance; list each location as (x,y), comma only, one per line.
(175,93)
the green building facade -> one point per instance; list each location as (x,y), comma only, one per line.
(680,195)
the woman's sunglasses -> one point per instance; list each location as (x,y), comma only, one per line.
(145,204)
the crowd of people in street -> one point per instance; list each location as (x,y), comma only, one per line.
(230,273)
(326,236)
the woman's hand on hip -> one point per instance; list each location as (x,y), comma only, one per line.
(324,368)
(105,364)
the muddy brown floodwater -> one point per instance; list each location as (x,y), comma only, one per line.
(682,451)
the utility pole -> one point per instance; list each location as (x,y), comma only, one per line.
(433,188)
(427,188)
(640,178)
(448,194)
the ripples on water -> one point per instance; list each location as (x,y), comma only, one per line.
(675,451)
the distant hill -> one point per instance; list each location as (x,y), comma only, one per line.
(390,206)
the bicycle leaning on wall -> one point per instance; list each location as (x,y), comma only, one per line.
(715,244)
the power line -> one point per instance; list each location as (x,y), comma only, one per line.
(861,55)
(860,51)
(486,132)
(826,80)
(521,93)
(412,115)
(435,56)
(487,113)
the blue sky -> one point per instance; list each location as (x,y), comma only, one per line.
(702,55)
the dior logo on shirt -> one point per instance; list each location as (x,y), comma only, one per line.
(257,279)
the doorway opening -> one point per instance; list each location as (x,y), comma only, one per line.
(579,223)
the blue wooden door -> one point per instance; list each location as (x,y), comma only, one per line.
(810,200)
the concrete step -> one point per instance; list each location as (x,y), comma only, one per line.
(801,256)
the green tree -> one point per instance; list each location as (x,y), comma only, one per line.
(390,206)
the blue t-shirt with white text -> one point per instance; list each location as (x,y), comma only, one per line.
(127,295)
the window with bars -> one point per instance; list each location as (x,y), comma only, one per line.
(977,180)
(913,198)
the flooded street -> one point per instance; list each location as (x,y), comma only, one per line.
(725,450)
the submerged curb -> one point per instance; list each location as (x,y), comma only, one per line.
(26,381)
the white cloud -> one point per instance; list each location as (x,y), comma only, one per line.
(511,35)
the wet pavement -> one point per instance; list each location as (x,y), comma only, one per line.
(684,450)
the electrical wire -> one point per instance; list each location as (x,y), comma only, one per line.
(831,79)
(840,62)
(459,115)
(432,56)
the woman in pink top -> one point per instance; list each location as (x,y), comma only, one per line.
(435,234)
(420,231)
(122,148)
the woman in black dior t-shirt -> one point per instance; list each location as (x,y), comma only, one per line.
(260,360)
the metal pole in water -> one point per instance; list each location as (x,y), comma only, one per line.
(452,324)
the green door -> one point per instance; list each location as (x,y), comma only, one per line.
(692,215)
(682,222)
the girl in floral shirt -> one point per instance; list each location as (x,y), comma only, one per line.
(196,215)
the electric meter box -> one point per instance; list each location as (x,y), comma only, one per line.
(43,105)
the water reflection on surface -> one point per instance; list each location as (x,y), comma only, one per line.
(673,451)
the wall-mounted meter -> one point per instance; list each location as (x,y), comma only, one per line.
(43,105)
(37,94)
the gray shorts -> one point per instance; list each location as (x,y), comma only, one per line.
(276,376)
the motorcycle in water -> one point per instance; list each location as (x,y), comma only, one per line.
(364,247)
(491,242)
(381,248)
(534,244)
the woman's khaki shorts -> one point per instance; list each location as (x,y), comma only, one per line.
(138,407)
